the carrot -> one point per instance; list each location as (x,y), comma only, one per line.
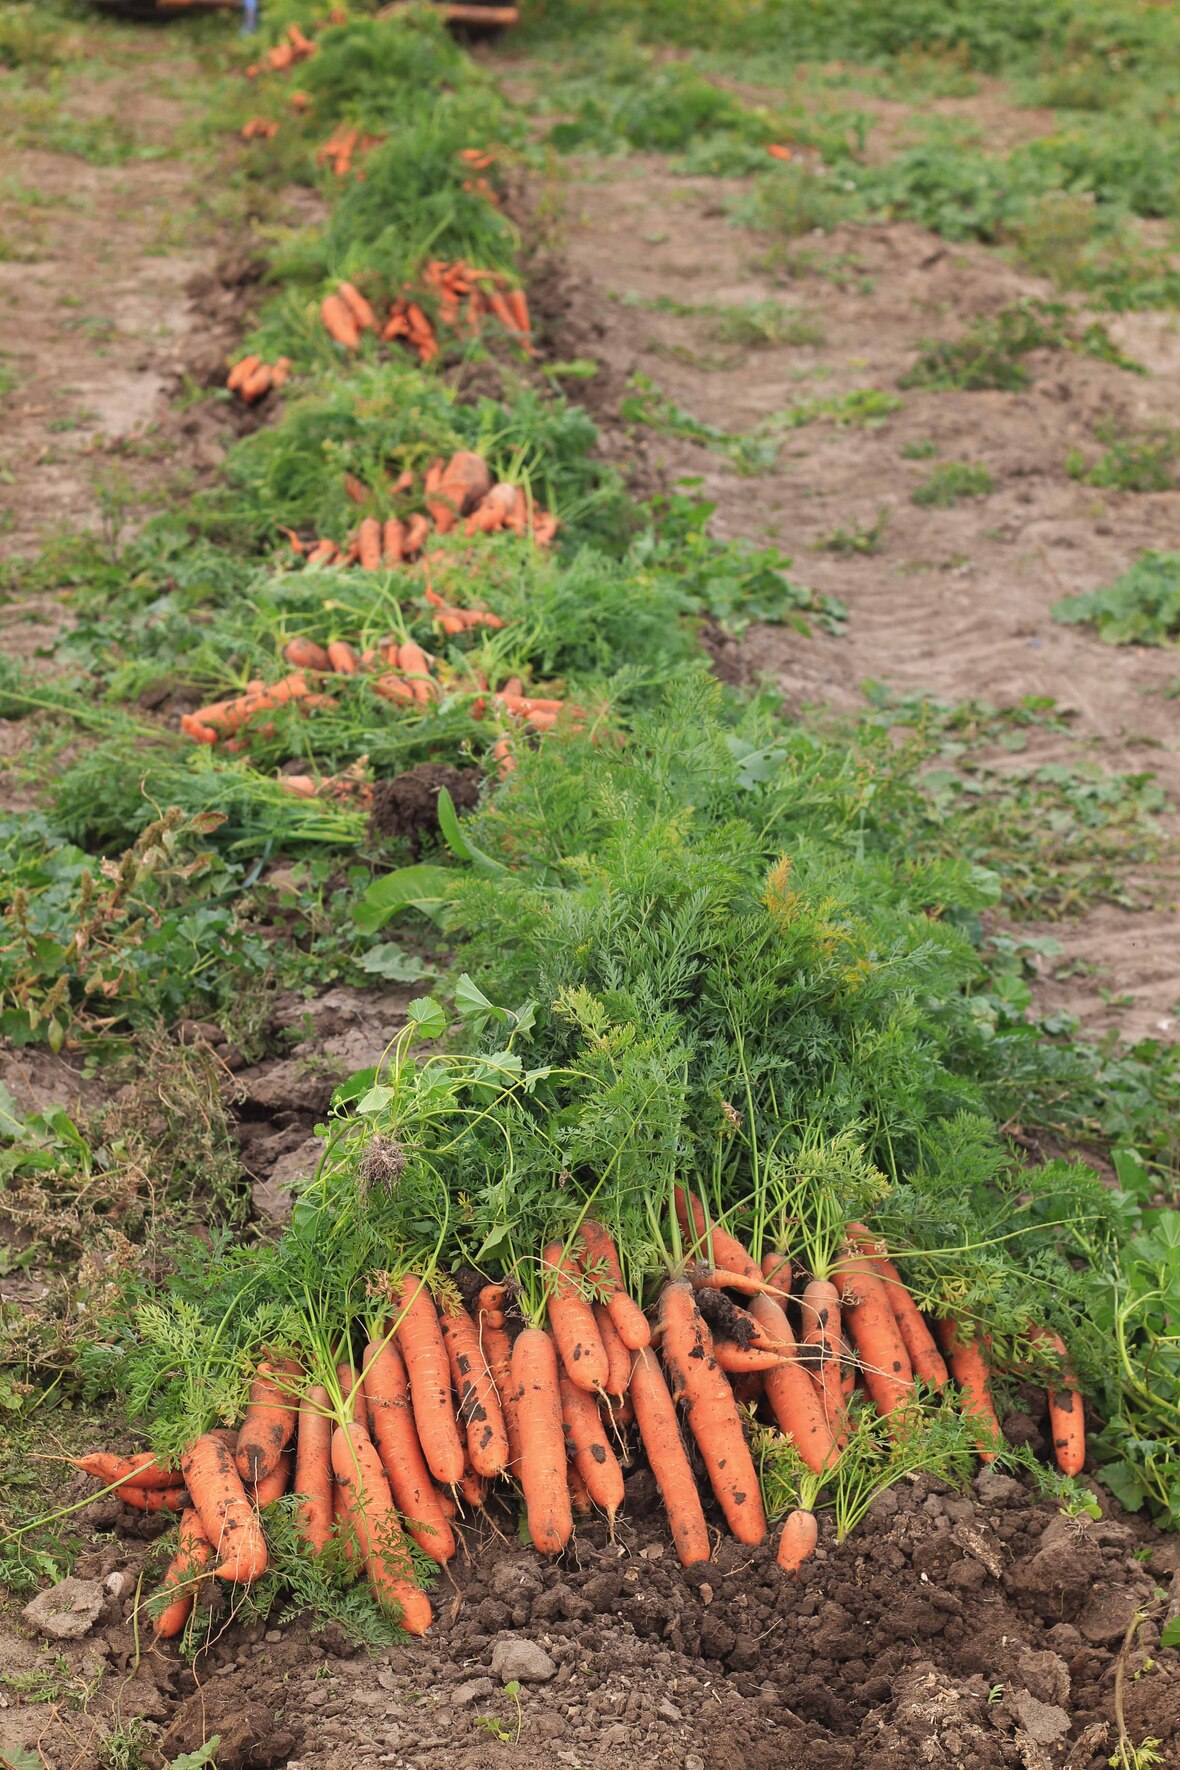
(421,1342)
(517,304)
(342,1528)
(305,654)
(140,1470)
(492,1300)
(357,306)
(313,1469)
(926,1360)
(269,1425)
(241,372)
(655,1415)
(352,1390)
(1066,1414)
(392,687)
(820,1306)
(339,322)
(713,1418)
(274,1485)
(257,383)
(872,1327)
(368,1508)
(153,1499)
(227,1517)
(776,1270)
(968,1367)
(587,1448)
(542,1441)
(417,530)
(497,1351)
(722,1249)
(600,1254)
(369,538)
(720,1278)
(413,663)
(792,1396)
(194,728)
(396,1437)
(183,1574)
(321,553)
(618,1355)
(580,1502)
(738,1360)
(280,373)
(459,488)
(571,1318)
(474,1489)
(403,483)
(393,542)
(341,657)
(479,1406)
(800,1534)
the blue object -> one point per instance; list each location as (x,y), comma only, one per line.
(250,21)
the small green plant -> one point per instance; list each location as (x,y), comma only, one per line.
(496,1727)
(1141,607)
(857,538)
(923,448)
(951,481)
(794,200)
(991,353)
(758,325)
(1138,462)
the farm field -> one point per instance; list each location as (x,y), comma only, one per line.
(588,642)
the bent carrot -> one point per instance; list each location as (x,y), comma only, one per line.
(587,1448)
(800,1534)
(793,1398)
(396,1437)
(479,1405)
(269,1425)
(183,1574)
(820,1308)
(1066,1414)
(140,1470)
(600,1253)
(542,1441)
(655,1416)
(420,1339)
(712,1413)
(571,1318)
(313,1469)
(227,1517)
(368,1508)
(339,322)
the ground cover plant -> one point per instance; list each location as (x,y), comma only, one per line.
(725,1143)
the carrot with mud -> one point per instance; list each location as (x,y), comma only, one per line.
(872,1328)
(968,1367)
(587,1448)
(367,1507)
(571,1318)
(183,1574)
(479,1405)
(141,1470)
(926,1361)
(399,1447)
(659,1429)
(791,1393)
(269,1425)
(1066,1413)
(227,1516)
(600,1257)
(419,1337)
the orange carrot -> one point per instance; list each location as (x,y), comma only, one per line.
(474,1488)
(1066,1414)
(342,658)
(357,306)
(339,322)
(305,654)
(800,1534)
(369,1509)
(542,1441)
(587,1448)
(655,1416)
(820,1307)
(479,1405)
(497,1351)
(776,1270)
(721,1248)
(398,1446)
(872,1327)
(793,1398)
(321,553)
(242,372)
(313,1469)
(968,1367)
(600,1257)
(274,1485)
(183,1574)
(492,1299)
(580,1501)
(571,1318)
(369,539)
(392,687)
(256,384)
(517,304)
(713,1417)
(414,664)
(269,1425)
(618,1355)
(153,1499)
(352,1390)
(421,1342)
(738,1360)
(926,1361)
(460,486)
(393,542)
(417,530)
(140,1470)
(227,1517)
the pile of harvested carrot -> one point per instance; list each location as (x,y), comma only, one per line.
(446,1400)
(295,47)
(342,146)
(462,298)
(251,378)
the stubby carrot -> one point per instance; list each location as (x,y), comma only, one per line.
(227,1516)
(183,1574)
(1066,1413)
(800,1533)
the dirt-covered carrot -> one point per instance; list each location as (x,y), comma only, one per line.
(368,1507)
(357,306)
(580,1501)
(968,1366)
(655,1416)
(392,687)
(618,1356)
(140,1470)
(153,1499)
(227,1516)
(479,1405)
(274,1485)
(872,1327)
(313,1469)
(792,1395)
(542,1472)
(497,1350)
(699,1384)
(420,1340)
(183,1574)
(1066,1413)
(600,1259)
(571,1318)
(269,1425)
(305,654)
(588,1449)
(492,1300)
(738,1360)
(800,1533)
(398,1445)
(820,1312)
(369,540)
(458,489)
(339,322)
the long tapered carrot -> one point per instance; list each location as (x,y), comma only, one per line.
(274,1485)
(699,1385)
(313,1469)
(738,1360)
(415,666)
(792,1395)
(497,1349)
(368,1507)
(872,1327)
(580,1501)
(659,1429)
(1066,1413)
(600,1256)
(800,1533)
(183,1574)
(396,1437)
(269,1425)
(542,1441)
(479,1405)
(968,1366)
(153,1499)
(618,1356)
(420,1340)
(227,1516)
(140,1470)
(926,1361)
(571,1318)
(722,1248)
(820,1312)
(587,1448)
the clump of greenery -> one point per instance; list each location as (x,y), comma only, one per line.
(991,353)
(952,480)
(1138,462)
(1141,607)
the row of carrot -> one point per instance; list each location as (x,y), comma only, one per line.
(447,1400)
(463,296)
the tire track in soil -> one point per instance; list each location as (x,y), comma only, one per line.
(956,604)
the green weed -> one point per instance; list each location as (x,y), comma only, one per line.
(992,352)
(1141,607)
(952,480)
(1139,462)
(857,538)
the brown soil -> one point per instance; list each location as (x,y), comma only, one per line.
(406,807)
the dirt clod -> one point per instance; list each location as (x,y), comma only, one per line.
(406,807)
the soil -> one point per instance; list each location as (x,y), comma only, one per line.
(406,807)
